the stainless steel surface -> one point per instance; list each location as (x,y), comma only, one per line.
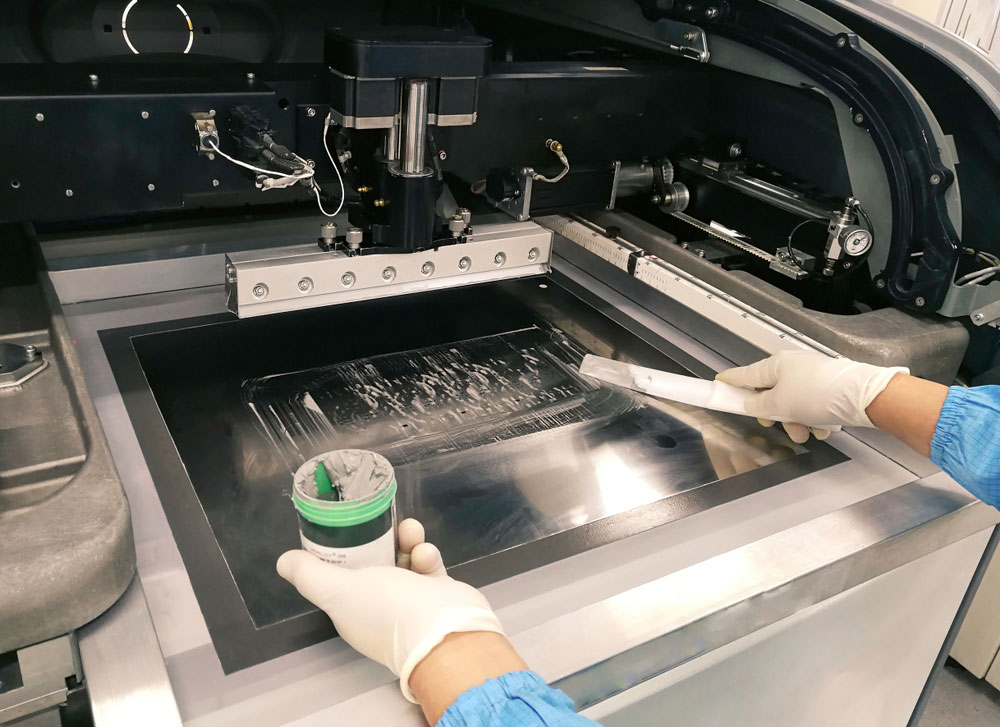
(44,670)
(390,149)
(126,677)
(415,127)
(643,632)
(266,281)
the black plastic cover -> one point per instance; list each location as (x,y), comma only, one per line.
(406,52)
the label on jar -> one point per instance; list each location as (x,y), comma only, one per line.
(381,551)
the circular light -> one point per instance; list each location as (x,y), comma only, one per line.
(128,41)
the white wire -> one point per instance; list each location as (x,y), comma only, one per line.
(252,168)
(319,202)
(340,179)
(977,276)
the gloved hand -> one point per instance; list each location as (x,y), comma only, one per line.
(395,616)
(811,388)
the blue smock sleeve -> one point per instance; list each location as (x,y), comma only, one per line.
(518,699)
(966,442)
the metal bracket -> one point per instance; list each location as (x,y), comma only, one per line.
(687,41)
(987,315)
(204,127)
(293,278)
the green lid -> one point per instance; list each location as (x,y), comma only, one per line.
(344,514)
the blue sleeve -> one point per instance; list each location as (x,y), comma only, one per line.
(518,699)
(966,442)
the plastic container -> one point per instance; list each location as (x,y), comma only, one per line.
(348,516)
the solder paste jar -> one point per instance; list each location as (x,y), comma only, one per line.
(346,505)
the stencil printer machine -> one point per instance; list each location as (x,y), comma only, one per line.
(239,234)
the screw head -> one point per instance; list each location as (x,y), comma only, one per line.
(880,283)
(847,265)
(978,317)
(465,263)
(920,302)
(93,78)
(32,352)
(533,253)
(305,285)
(347,280)
(69,192)
(701,253)
(39,117)
(389,273)
(144,114)
(442,155)
(151,187)
(859,118)
(310,112)
(211,112)
(427,268)
(841,42)
(711,13)
(690,35)
(215,182)
(656,199)
(935,179)
(230,273)
(259,291)
(499,259)
(735,151)
(251,76)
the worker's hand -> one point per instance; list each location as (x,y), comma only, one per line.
(813,389)
(395,616)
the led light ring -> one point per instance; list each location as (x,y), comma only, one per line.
(128,42)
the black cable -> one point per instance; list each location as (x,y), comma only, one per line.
(791,235)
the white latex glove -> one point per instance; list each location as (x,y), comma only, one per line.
(811,388)
(394,616)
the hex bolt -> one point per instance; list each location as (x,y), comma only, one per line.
(499,259)
(305,285)
(69,192)
(427,268)
(859,118)
(144,114)
(442,155)
(711,13)
(32,352)
(935,179)
(347,280)
(259,290)
(39,117)
(151,187)
(215,182)
(978,317)
(920,302)
(389,273)
(533,253)
(310,112)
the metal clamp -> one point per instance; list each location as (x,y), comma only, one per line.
(687,41)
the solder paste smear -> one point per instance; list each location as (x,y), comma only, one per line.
(413,404)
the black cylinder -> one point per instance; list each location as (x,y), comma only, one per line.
(411,203)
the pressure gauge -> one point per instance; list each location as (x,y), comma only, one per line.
(857,241)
